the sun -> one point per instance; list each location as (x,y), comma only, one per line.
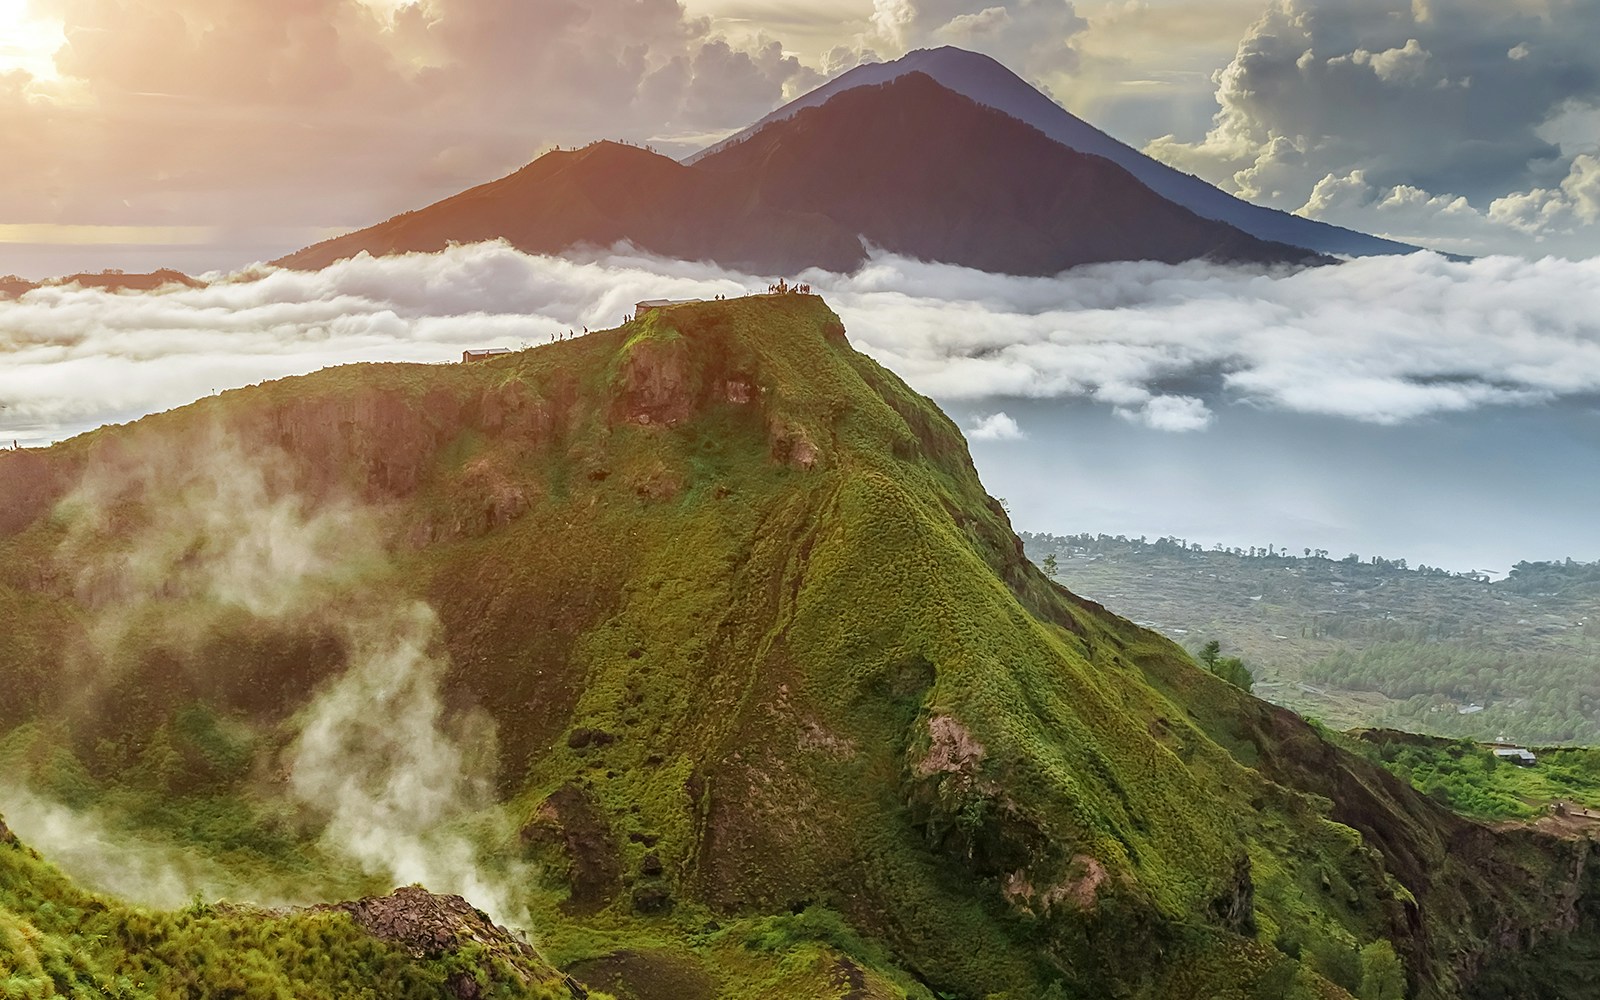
(28,41)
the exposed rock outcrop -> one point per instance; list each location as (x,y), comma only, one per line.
(429,926)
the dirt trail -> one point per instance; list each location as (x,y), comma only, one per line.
(1572,821)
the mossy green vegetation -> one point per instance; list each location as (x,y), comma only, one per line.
(57,940)
(779,706)
(1468,777)
(1229,668)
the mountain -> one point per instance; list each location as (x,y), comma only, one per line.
(13,287)
(710,630)
(989,83)
(919,170)
(601,195)
(908,166)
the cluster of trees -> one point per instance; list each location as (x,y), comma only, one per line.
(1462,776)
(1102,544)
(1522,648)
(1539,697)
(1229,668)
(1470,780)
(1567,578)
(1549,577)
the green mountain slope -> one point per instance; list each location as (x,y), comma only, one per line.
(717,612)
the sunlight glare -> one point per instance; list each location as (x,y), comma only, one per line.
(28,42)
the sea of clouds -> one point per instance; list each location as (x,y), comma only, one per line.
(1381,341)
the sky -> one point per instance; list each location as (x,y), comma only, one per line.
(207,134)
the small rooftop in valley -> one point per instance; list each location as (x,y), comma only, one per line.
(1517,755)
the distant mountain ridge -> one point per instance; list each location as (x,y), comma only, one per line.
(598,196)
(14,287)
(989,83)
(909,166)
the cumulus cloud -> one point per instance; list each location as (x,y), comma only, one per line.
(1177,414)
(244,114)
(1169,347)
(1403,212)
(1449,105)
(1036,38)
(1574,202)
(1408,62)
(996,427)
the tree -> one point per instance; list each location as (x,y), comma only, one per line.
(1229,668)
(1050,564)
(1382,975)
(1233,670)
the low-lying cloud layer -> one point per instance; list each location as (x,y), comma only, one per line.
(1381,341)
(1168,347)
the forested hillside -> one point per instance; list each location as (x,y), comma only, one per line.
(1368,641)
